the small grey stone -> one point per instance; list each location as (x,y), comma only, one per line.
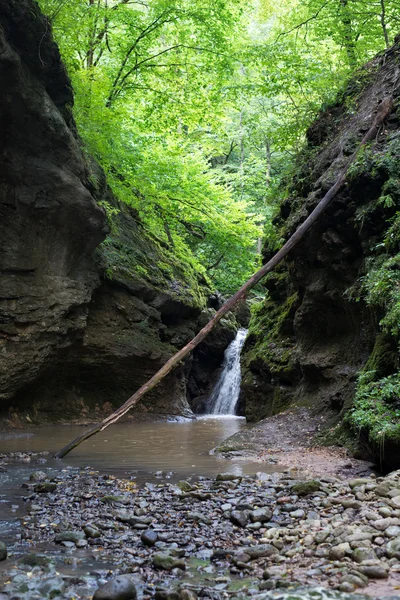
(361,554)
(338,552)
(393,548)
(261,515)
(239,518)
(149,537)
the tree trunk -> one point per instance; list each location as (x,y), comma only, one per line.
(348,37)
(384,110)
(383,23)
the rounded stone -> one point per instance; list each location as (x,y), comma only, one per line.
(121,587)
(149,537)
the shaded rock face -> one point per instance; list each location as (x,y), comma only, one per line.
(49,221)
(82,325)
(311,336)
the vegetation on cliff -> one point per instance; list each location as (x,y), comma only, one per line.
(197,111)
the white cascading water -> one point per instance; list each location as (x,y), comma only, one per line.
(225,395)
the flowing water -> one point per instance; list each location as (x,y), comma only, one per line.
(225,396)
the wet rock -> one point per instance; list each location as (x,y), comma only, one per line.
(149,537)
(69,536)
(374,571)
(185,486)
(261,515)
(3,551)
(90,532)
(228,477)
(393,548)
(239,518)
(361,554)
(303,488)
(35,560)
(119,588)
(167,562)
(45,487)
(38,476)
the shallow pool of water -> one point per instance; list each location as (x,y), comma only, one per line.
(181,447)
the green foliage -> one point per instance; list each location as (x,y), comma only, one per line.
(376,407)
(195,109)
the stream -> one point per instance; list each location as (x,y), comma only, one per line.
(145,451)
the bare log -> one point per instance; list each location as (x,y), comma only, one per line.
(384,110)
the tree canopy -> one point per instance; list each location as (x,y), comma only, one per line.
(195,109)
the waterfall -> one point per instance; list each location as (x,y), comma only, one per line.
(225,395)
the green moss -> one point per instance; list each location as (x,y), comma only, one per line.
(132,255)
(384,357)
(270,326)
(342,435)
(35,560)
(303,488)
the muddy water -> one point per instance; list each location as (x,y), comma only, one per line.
(180,447)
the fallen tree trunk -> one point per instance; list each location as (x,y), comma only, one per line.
(384,110)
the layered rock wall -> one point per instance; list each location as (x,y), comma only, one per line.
(87,315)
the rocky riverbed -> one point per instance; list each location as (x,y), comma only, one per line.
(229,537)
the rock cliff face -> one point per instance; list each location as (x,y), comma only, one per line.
(314,332)
(82,323)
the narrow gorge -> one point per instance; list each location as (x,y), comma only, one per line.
(153,156)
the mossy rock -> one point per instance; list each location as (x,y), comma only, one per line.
(304,488)
(36,560)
